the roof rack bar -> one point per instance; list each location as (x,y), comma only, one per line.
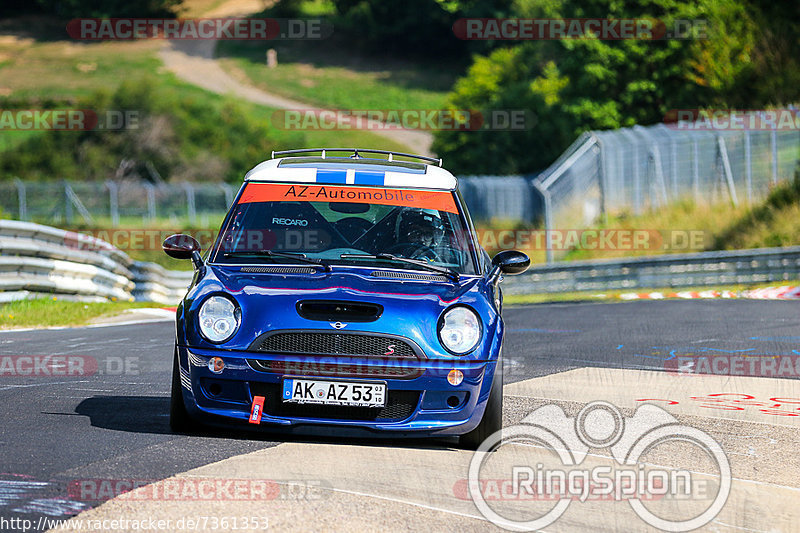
(356,152)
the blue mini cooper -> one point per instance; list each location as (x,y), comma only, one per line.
(344,294)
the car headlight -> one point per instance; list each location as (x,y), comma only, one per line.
(459,330)
(219,319)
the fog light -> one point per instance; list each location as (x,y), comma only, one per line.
(455,377)
(216,365)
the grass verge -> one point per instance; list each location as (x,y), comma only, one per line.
(43,312)
(326,76)
(40,68)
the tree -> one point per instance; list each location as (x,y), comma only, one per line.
(110,8)
(575,85)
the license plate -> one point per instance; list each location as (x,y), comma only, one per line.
(334,392)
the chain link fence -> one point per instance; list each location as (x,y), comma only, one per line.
(642,168)
(110,203)
(604,172)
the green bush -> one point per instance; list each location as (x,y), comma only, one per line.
(422,28)
(184,135)
(110,8)
(576,85)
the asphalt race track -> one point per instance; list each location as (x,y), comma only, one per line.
(65,439)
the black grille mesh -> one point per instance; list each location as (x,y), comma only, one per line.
(399,406)
(278,270)
(406,275)
(322,343)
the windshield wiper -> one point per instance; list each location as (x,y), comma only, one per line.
(452,274)
(284,255)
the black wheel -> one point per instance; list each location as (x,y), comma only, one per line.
(179,419)
(492,417)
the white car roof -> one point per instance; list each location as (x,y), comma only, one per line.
(362,171)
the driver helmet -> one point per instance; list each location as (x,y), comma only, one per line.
(424,227)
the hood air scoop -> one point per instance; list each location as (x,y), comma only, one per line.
(339,311)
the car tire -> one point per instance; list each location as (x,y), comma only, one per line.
(492,420)
(179,420)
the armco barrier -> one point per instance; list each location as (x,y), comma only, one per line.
(763,265)
(37,260)
(156,284)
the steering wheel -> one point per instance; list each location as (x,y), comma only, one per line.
(414,250)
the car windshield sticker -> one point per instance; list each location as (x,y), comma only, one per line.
(279,192)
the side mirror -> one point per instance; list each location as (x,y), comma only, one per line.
(182,246)
(509,262)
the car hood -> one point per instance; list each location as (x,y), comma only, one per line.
(411,307)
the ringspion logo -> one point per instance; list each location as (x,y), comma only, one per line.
(566,476)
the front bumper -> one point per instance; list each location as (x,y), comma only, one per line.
(421,401)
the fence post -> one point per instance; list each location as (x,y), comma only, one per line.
(675,174)
(67,203)
(637,183)
(73,200)
(151,200)
(228,190)
(748,166)
(696,171)
(113,202)
(22,198)
(726,167)
(190,207)
(603,170)
(773,141)
(658,172)
(548,220)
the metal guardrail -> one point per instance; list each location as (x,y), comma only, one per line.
(37,260)
(703,269)
(154,283)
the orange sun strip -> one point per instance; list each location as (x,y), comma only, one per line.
(280,192)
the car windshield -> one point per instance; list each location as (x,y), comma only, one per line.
(337,225)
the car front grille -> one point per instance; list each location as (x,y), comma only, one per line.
(336,369)
(400,404)
(325,343)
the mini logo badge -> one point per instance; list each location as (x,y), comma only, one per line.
(390,349)
(337,325)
